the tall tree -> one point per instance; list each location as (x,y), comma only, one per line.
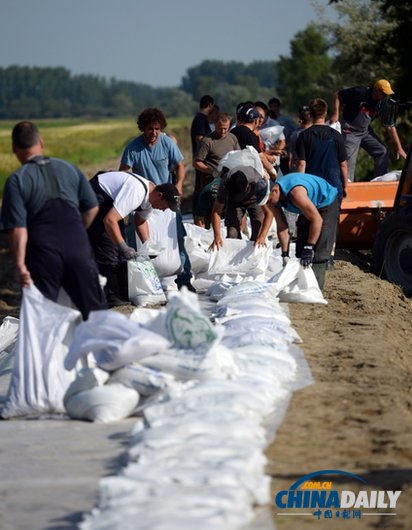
(306,73)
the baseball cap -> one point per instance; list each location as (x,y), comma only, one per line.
(385,86)
(248,114)
(237,186)
(262,190)
(171,194)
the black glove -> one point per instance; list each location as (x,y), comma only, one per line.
(285,258)
(127,252)
(306,258)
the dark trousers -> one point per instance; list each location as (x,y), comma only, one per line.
(59,255)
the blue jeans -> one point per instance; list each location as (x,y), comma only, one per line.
(185,276)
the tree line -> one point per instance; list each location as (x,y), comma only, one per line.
(370,40)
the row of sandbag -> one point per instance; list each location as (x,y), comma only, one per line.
(196,458)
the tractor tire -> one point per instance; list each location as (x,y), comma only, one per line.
(392,250)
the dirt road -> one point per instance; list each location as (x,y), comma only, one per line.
(357,416)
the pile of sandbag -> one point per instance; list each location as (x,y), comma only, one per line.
(196,460)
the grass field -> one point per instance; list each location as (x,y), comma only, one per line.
(91,145)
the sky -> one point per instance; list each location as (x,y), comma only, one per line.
(151,42)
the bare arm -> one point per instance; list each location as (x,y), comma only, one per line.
(395,139)
(267,223)
(334,117)
(124,167)
(216,223)
(344,176)
(301,166)
(111,224)
(282,228)
(18,243)
(89,215)
(141,227)
(300,199)
(201,166)
(267,162)
(180,176)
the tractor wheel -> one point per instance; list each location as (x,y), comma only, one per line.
(392,250)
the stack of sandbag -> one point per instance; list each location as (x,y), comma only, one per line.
(115,342)
(38,379)
(167,262)
(197,458)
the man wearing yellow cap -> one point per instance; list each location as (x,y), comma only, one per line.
(361,106)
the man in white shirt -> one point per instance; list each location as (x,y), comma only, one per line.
(119,194)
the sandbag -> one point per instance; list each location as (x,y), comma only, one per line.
(240,257)
(298,284)
(103,403)
(186,325)
(245,157)
(39,380)
(114,340)
(144,287)
(145,380)
(270,135)
(163,229)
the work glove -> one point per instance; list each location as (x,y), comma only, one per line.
(306,257)
(126,251)
(285,258)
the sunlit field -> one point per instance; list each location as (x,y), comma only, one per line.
(91,145)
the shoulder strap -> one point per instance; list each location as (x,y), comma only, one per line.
(49,176)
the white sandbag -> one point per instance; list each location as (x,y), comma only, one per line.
(270,135)
(298,284)
(336,125)
(144,287)
(163,229)
(240,257)
(86,378)
(187,326)
(186,364)
(197,242)
(392,176)
(146,381)
(103,403)
(8,333)
(39,380)
(245,157)
(114,341)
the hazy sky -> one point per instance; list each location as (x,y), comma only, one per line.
(152,42)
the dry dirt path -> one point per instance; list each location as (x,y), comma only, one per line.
(357,416)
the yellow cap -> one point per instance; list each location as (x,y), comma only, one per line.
(385,86)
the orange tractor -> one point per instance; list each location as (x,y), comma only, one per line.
(377,216)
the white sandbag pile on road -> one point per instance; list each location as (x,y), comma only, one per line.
(39,380)
(196,460)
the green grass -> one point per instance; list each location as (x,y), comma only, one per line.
(90,145)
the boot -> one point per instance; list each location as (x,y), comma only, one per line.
(320,270)
(112,290)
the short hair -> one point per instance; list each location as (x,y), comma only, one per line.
(205,101)
(318,108)
(222,117)
(151,115)
(274,101)
(304,115)
(261,105)
(25,134)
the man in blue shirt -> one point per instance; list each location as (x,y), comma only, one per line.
(157,158)
(315,200)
